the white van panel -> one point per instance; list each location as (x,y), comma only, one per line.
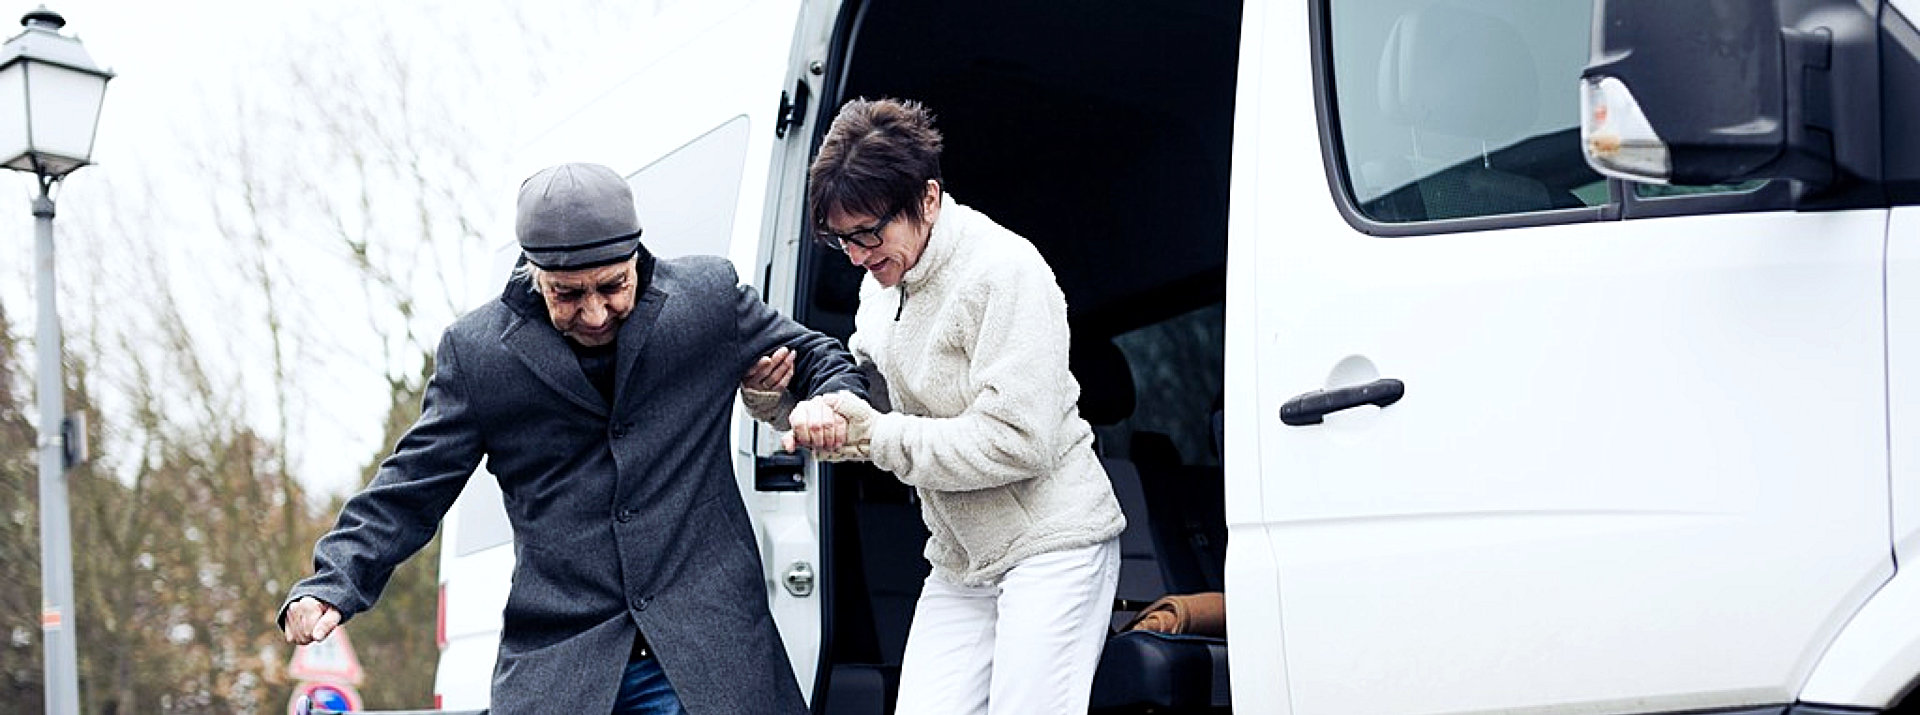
(1903,381)
(476,558)
(477,589)
(1878,656)
(475,607)
(1258,665)
(464,680)
(702,66)
(1640,465)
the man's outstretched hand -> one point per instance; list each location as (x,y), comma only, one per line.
(310,619)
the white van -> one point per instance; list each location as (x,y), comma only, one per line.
(1458,424)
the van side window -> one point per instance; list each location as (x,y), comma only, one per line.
(686,199)
(1450,109)
(1178,381)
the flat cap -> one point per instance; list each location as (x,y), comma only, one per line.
(575,216)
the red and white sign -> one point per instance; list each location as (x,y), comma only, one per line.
(330,660)
(335,697)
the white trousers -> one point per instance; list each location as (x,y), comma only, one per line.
(1025,646)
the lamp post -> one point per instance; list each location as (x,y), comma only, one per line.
(50,94)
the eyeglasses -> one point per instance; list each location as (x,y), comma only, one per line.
(868,237)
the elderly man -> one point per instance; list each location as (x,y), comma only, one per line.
(599,388)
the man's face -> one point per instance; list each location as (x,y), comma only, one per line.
(588,305)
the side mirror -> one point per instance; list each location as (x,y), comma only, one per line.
(1724,91)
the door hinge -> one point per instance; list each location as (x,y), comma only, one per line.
(793,108)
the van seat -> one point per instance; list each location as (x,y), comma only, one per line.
(1140,568)
(1107,399)
(1144,671)
(1141,671)
(1186,508)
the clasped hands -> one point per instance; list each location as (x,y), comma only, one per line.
(837,426)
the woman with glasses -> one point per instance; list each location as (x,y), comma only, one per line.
(968,329)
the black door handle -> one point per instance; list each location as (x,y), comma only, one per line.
(780,472)
(1309,408)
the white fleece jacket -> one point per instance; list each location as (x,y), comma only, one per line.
(985,422)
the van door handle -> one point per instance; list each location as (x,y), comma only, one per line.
(1309,408)
(780,472)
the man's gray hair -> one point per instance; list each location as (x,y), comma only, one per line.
(531,272)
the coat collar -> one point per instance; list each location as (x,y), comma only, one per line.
(531,338)
(942,243)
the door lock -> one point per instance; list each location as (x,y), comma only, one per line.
(799,580)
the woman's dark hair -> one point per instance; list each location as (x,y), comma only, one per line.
(875,160)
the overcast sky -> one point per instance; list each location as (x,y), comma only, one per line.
(182,69)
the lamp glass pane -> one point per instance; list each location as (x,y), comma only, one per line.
(13,114)
(63,106)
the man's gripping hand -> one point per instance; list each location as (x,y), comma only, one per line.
(310,619)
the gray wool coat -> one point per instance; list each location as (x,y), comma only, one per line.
(625,516)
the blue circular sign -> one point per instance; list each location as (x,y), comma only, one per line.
(330,698)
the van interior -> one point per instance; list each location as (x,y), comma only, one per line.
(1101,131)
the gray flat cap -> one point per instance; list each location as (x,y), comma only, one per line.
(575,216)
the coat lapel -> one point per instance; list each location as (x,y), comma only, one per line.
(545,352)
(633,337)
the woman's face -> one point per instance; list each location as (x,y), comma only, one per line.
(902,239)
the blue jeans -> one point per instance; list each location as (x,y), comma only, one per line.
(644,690)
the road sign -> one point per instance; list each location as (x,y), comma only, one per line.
(330,660)
(323,696)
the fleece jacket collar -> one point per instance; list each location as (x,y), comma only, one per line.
(941,244)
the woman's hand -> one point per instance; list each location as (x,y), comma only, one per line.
(858,415)
(855,420)
(816,426)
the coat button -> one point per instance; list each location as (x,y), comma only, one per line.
(619,431)
(624,516)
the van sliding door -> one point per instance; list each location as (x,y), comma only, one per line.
(1633,465)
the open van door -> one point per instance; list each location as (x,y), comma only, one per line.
(1530,439)
(707,119)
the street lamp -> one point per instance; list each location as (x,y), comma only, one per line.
(50,94)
